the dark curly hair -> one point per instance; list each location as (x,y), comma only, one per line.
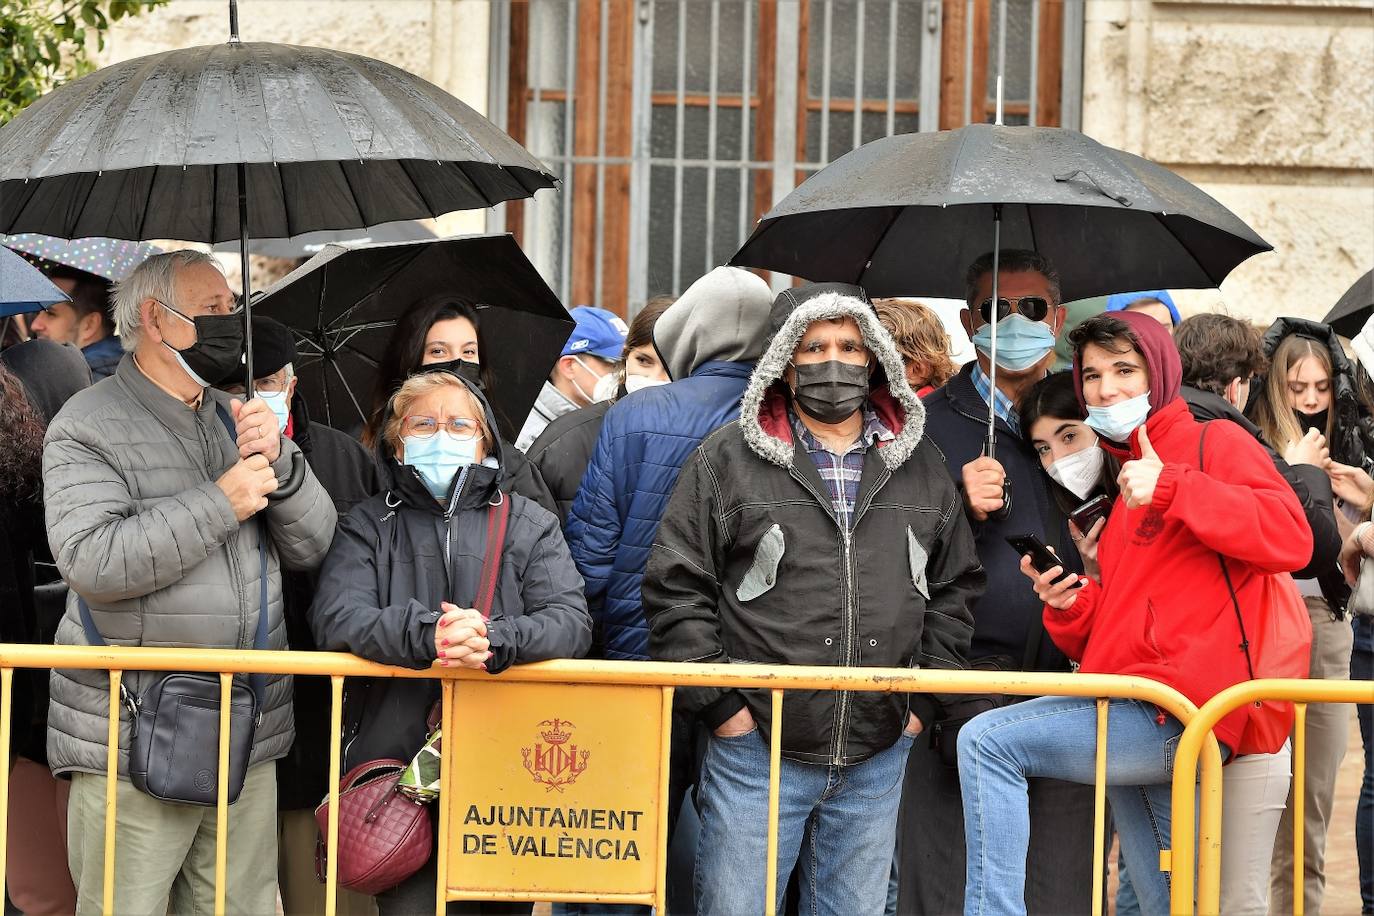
(21,441)
(1215,349)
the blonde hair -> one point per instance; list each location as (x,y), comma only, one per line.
(920,336)
(416,387)
(1273,414)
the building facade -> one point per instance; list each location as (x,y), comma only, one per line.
(675,124)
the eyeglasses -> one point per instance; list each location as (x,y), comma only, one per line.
(460,428)
(1033,307)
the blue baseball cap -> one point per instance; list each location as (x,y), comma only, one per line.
(1119,301)
(598,332)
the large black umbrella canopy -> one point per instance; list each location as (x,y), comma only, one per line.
(906,215)
(149,148)
(1353,309)
(343,303)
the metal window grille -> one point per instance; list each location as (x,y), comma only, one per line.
(674,124)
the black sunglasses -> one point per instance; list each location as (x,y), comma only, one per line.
(1033,307)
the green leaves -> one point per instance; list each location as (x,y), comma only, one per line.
(46,42)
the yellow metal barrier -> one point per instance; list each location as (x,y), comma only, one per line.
(662,676)
(1196,734)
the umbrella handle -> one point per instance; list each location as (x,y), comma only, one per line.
(1001,514)
(293,480)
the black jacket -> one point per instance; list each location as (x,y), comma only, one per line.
(1310,484)
(751,564)
(397,555)
(348,474)
(1008,617)
(564,449)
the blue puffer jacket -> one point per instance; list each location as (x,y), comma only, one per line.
(709,341)
(643,444)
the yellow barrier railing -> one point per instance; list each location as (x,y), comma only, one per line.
(1198,731)
(664,676)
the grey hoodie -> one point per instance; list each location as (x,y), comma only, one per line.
(721,317)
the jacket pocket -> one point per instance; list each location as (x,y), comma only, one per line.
(763,572)
(918,558)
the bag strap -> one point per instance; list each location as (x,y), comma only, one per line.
(1226,574)
(498,514)
(256,682)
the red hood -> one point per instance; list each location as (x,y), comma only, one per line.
(1161,359)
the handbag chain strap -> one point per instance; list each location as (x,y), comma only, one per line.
(256,682)
(1226,573)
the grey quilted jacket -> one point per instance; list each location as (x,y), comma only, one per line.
(139,528)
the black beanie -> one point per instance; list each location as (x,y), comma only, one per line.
(273,347)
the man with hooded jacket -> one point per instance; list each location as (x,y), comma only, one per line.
(777,548)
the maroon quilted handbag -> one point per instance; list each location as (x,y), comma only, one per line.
(384,837)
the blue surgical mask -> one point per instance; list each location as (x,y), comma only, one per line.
(1117,421)
(279,404)
(1021,343)
(438,458)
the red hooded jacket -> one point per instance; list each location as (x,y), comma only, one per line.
(1162,609)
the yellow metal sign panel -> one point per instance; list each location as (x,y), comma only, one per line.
(555,788)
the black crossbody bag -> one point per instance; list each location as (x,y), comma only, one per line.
(174,723)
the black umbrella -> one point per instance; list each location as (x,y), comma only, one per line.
(250,140)
(1353,309)
(343,303)
(906,215)
(312,243)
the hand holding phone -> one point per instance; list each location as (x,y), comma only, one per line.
(1042,559)
(1086,515)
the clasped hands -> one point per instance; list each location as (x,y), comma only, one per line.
(460,637)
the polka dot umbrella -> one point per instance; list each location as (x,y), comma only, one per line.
(111,259)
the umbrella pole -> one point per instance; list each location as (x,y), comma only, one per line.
(247,282)
(990,448)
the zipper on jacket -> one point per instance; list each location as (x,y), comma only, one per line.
(448,523)
(209,450)
(851,611)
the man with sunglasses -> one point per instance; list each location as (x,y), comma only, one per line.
(155,495)
(1008,633)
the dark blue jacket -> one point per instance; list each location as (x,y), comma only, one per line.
(644,441)
(103,356)
(957,419)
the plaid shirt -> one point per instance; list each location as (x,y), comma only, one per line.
(1003,406)
(841,473)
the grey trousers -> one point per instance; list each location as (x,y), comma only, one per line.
(166,853)
(1328,731)
(930,842)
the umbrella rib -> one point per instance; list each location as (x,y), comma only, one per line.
(360,354)
(348,390)
(1030,227)
(1216,284)
(896,215)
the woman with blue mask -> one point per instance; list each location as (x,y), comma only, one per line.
(400,583)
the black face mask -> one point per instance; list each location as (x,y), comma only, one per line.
(830,391)
(465,369)
(218,350)
(1315,421)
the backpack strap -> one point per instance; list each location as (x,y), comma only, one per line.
(498,515)
(1226,573)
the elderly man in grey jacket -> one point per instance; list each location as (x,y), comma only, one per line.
(149,502)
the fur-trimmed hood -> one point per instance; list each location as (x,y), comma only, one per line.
(763,410)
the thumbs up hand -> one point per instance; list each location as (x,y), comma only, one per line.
(1138,478)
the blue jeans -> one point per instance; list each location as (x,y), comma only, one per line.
(1362,668)
(1056,737)
(848,816)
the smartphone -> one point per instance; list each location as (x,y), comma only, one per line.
(1041,558)
(1086,515)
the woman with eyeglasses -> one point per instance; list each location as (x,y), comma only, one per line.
(444,333)
(400,584)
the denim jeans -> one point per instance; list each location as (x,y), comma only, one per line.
(848,816)
(1056,737)
(1362,668)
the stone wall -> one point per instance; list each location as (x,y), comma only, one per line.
(1269,107)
